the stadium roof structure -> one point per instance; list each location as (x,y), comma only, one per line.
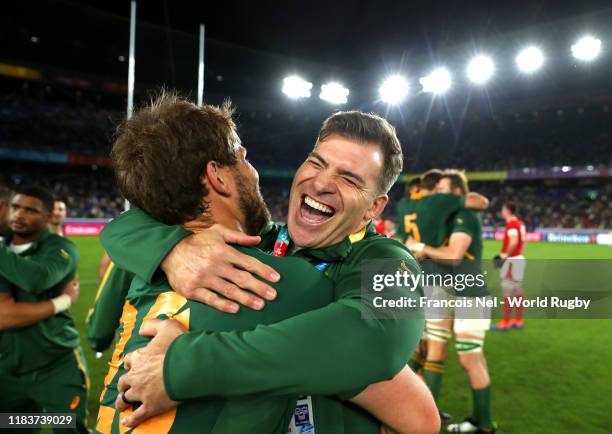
(251,46)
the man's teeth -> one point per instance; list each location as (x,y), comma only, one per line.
(317,205)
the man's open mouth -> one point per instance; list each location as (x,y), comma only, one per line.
(314,212)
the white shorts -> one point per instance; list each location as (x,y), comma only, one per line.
(467,325)
(512,273)
(467,313)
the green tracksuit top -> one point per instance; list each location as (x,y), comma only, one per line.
(37,274)
(469,222)
(103,317)
(328,351)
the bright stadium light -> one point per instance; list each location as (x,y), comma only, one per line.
(480,69)
(587,48)
(334,93)
(439,81)
(295,87)
(530,59)
(394,89)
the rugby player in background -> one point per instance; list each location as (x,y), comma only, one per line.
(464,252)
(5,199)
(512,268)
(58,216)
(281,373)
(42,368)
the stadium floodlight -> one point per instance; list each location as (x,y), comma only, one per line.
(437,82)
(334,93)
(480,69)
(295,87)
(587,48)
(530,59)
(394,89)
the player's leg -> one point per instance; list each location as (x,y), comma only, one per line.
(64,389)
(438,335)
(518,272)
(418,358)
(14,398)
(508,288)
(470,335)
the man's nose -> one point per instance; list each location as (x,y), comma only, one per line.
(324,183)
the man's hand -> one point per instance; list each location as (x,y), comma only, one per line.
(415,248)
(204,268)
(144,380)
(72,289)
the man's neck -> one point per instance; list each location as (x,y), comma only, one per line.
(218,215)
(20,239)
(56,229)
(425,192)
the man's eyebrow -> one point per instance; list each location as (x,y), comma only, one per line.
(318,157)
(356,177)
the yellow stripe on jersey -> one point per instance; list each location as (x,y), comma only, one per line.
(107,273)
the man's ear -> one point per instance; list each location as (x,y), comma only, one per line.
(377,207)
(216,178)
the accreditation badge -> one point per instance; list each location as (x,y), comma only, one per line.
(302,421)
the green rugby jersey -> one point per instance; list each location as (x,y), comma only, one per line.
(329,351)
(433,216)
(405,218)
(469,222)
(38,274)
(103,317)
(302,288)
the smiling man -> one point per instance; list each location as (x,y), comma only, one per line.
(334,197)
(329,351)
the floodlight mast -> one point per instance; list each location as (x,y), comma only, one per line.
(201,68)
(131,69)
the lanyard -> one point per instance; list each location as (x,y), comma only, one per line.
(281,245)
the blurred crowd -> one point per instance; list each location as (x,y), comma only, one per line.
(39,119)
(508,139)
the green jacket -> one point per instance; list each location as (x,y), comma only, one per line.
(37,274)
(329,351)
(103,317)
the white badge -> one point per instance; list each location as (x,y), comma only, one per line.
(302,421)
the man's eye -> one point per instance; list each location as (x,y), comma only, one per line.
(350,181)
(314,163)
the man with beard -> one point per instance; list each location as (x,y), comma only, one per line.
(41,363)
(211,182)
(58,216)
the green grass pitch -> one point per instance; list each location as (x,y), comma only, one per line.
(552,377)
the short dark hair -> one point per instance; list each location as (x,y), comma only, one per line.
(5,193)
(368,128)
(458,180)
(39,193)
(414,182)
(511,206)
(161,153)
(430,178)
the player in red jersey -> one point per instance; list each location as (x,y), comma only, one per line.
(513,268)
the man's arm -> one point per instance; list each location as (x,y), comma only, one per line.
(513,240)
(327,340)
(38,274)
(458,244)
(404,404)
(103,317)
(476,201)
(19,314)
(197,266)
